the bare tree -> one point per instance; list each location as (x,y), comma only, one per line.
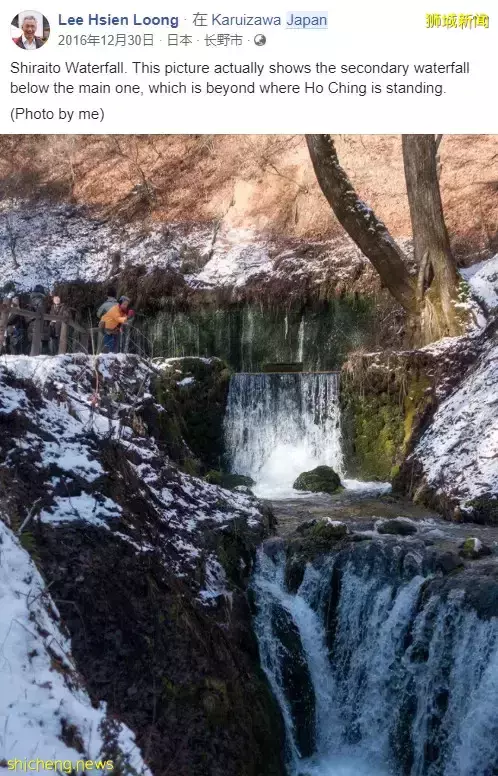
(430,299)
(12,237)
(438,278)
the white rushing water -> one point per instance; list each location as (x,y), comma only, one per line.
(398,689)
(280,425)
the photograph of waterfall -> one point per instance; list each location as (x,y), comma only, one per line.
(249,452)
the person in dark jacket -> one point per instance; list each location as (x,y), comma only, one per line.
(38,303)
(109,302)
(16,330)
(59,310)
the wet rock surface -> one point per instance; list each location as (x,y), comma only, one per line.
(296,680)
(389,537)
(400,526)
(323,479)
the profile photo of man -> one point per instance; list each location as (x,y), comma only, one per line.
(34,30)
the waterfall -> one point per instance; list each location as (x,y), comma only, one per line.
(402,681)
(300,342)
(279,425)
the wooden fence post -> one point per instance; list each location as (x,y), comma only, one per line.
(4,319)
(37,333)
(63,339)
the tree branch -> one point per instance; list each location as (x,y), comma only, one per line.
(361,223)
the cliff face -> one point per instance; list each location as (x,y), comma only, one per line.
(147,565)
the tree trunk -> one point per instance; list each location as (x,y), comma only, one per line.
(438,289)
(430,300)
(361,223)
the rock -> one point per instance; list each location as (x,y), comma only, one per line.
(243,489)
(228,480)
(472,549)
(398,526)
(448,561)
(303,528)
(296,680)
(294,574)
(323,479)
(329,530)
(273,547)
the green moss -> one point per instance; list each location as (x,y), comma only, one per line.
(484,509)
(199,407)
(327,531)
(228,480)
(380,425)
(323,479)
(191,466)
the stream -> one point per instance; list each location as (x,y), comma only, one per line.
(384,657)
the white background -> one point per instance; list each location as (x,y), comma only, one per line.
(359,32)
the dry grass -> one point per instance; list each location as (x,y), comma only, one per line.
(262,182)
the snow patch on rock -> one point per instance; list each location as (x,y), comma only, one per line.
(62,413)
(41,692)
(459,451)
(483,281)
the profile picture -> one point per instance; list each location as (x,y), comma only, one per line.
(30,30)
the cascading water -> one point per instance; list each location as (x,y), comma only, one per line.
(279,425)
(375,673)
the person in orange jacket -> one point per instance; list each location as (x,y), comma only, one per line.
(112,322)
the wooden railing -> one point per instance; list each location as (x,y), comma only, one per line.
(80,334)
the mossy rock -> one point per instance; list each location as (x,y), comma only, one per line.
(484,509)
(323,479)
(472,549)
(381,414)
(201,408)
(228,480)
(328,530)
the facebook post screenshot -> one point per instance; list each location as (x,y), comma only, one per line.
(249,388)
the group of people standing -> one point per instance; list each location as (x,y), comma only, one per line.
(114,317)
(19,331)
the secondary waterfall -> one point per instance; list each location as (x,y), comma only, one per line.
(279,425)
(375,674)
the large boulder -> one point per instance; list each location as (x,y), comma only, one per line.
(323,479)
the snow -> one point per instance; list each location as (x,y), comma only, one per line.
(186,381)
(459,451)
(83,507)
(237,256)
(57,243)
(483,281)
(40,689)
(62,438)
(10,400)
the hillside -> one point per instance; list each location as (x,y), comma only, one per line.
(262,183)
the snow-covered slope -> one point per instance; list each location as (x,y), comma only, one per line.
(483,281)
(66,419)
(146,564)
(45,243)
(458,454)
(45,711)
